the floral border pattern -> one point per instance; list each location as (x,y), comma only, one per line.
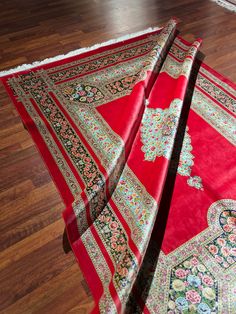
(158,130)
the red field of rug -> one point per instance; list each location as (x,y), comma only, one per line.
(139,137)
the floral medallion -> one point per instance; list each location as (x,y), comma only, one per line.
(158,131)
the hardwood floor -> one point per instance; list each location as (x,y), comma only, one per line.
(36,275)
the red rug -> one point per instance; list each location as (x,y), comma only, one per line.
(140,141)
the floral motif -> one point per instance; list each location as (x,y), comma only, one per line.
(136,204)
(114,237)
(196,182)
(112,233)
(177,52)
(103,61)
(125,83)
(217,93)
(108,146)
(158,130)
(223,248)
(193,289)
(172,67)
(186,158)
(157,134)
(203,308)
(83,93)
(193,296)
(216,116)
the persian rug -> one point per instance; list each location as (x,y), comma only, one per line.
(139,137)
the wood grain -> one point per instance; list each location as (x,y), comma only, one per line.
(36,275)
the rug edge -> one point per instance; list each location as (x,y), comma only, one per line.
(76,52)
(225,4)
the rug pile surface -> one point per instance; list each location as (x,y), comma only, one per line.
(139,137)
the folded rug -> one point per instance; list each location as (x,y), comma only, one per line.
(140,141)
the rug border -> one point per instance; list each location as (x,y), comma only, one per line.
(42,149)
(73,53)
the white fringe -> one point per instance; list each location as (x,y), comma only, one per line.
(226,4)
(75,52)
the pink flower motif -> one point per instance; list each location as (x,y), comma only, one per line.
(231,221)
(225,251)
(180,273)
(113,245)
(221,241)
(193,297)
(120,248)
(102,218)
(232,238)
(113,225)
(230,260)
(122,240)
(207,280)
(194,261)
(114,239)
(227,228)
(219,259)
(233,251)
(123,272)
(108,219)
(213,249)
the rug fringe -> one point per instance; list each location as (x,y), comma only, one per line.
(76,52)
(226,5)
